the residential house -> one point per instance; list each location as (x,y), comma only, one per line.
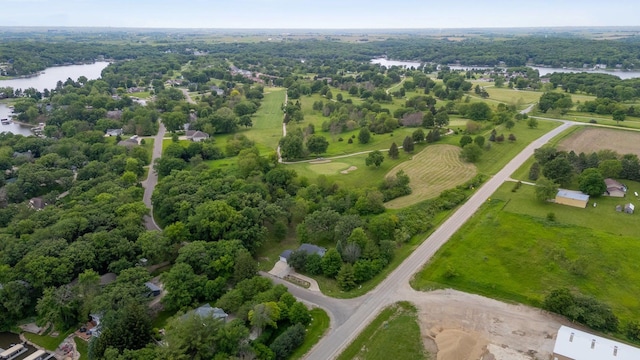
(114,132)
(308,248)
(205,311)
(196,135)
(37,203)
(573,344)
(129,142)
(572,198)
(217,90)
(615,188)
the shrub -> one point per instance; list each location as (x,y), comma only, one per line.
(340,139)
(350,141)
(288,341)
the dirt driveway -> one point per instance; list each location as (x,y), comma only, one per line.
(457,325)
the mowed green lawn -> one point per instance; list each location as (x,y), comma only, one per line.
(394,334)
(362,177)
(267,121)
(508,250)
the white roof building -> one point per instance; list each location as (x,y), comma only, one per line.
(572,344)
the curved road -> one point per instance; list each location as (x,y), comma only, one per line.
(391,289)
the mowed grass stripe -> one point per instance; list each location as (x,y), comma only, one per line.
(433,170)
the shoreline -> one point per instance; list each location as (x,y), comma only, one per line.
(40,72)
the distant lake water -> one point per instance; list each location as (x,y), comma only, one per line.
(390,63)
(46,80)
(50,76)
(549,70)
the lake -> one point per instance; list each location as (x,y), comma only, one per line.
(390,63)
(50,76)
(621,74)
(46,80)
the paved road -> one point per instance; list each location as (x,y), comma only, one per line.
(395,284)
(152,179)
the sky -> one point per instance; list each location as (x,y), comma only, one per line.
(319,14)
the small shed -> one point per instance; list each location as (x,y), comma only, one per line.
(615,188)
(629,208)
(154,290)
(572,198)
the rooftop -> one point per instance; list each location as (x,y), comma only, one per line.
(570,194)
(579,345)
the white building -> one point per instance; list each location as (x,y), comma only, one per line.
(572,344)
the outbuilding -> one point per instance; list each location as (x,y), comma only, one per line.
(572,198)
(615,188)
(572,344)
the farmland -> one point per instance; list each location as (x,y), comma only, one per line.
(590,139)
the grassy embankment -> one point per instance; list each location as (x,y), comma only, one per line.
(315,331)
(510,251)
(395,333)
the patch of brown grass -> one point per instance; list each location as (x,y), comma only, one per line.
(590,139)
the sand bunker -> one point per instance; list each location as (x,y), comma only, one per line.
(350,169)
(456,345)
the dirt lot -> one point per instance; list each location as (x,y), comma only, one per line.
(590,139)
(458,326)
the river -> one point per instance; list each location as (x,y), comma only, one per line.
(46,80)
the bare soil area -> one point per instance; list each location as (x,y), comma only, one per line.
(590,139)
(460,326)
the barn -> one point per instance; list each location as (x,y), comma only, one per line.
(572,198)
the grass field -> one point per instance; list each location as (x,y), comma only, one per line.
(362,177)
(319,325)
(82,347)
(48,342)
(500,154)
(267,122)
(590,139)
(520,98)
(395,333)
(508,250)
(433,170)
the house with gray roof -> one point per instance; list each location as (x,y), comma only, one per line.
(206,311)
(307,248)
(196,135)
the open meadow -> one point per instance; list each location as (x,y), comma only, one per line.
(510,251)
(433,170)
